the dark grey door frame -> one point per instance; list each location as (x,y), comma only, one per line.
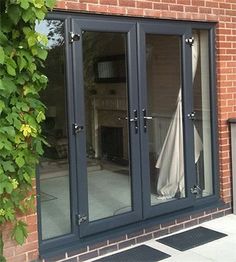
(78,25)
(73,240)
(167,28)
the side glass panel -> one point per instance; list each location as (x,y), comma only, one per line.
(107,129)
(54,165)
(202,107)
(164,118)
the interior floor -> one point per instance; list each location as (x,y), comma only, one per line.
(110,195)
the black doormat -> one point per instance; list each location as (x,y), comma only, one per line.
(141,253)
(191,238)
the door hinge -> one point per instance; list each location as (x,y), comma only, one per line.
(81,219)
(74,37)
(192,115)
(190,41)
(196,190)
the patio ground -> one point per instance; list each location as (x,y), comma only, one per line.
(221,250)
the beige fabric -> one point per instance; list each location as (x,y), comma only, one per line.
(171,159)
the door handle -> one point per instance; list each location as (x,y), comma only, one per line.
(135,121)
(145,118)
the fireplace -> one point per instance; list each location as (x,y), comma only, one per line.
(112,143)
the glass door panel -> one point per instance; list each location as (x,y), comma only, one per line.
(164,118)
(54,168)
(106,98)
(202,108)
(107,129)
(167,141)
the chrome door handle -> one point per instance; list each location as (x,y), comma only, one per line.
(145,118)
(148,117)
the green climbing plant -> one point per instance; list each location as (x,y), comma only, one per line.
(22,55)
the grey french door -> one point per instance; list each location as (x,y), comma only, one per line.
(165,106)
(133,129)
(107,134)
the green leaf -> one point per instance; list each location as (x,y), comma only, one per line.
(40,117)
(9,130)
(2,55)
(2,106)
(8,85)
(19,232)
(10,70)
(1,85)
(42,53)
(24,4)
(8,166)
(27,15)
(14,13)
(50,3)
(31,41)
(20,161)
(3,38)
(21,62)
(27,178)
(39,14)
(38,3)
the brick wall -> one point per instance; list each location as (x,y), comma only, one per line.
(111,245)
(29,250)
(224,13)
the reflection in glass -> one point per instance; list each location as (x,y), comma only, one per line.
(202,123)
(165,128)
(54,166)
(107,133)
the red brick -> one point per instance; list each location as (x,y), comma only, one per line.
(109,2)
(127,3)
(144,5)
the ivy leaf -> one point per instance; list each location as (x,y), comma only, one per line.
(9,130)
(19,232)
(39,14)
(3,38)
(21,62)
(39,148)
(10,70)
(27,15)
(8,166)
(20,161)
(2,106)
(1,85)
(42,54)
(31,41)
(38,3)
(2,55)
(24,4)
(8,187)
(14,13)
(40,117)
(50,3)
(8,85)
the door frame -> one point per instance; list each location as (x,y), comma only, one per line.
(100,25)
(167,28)
(72,240)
